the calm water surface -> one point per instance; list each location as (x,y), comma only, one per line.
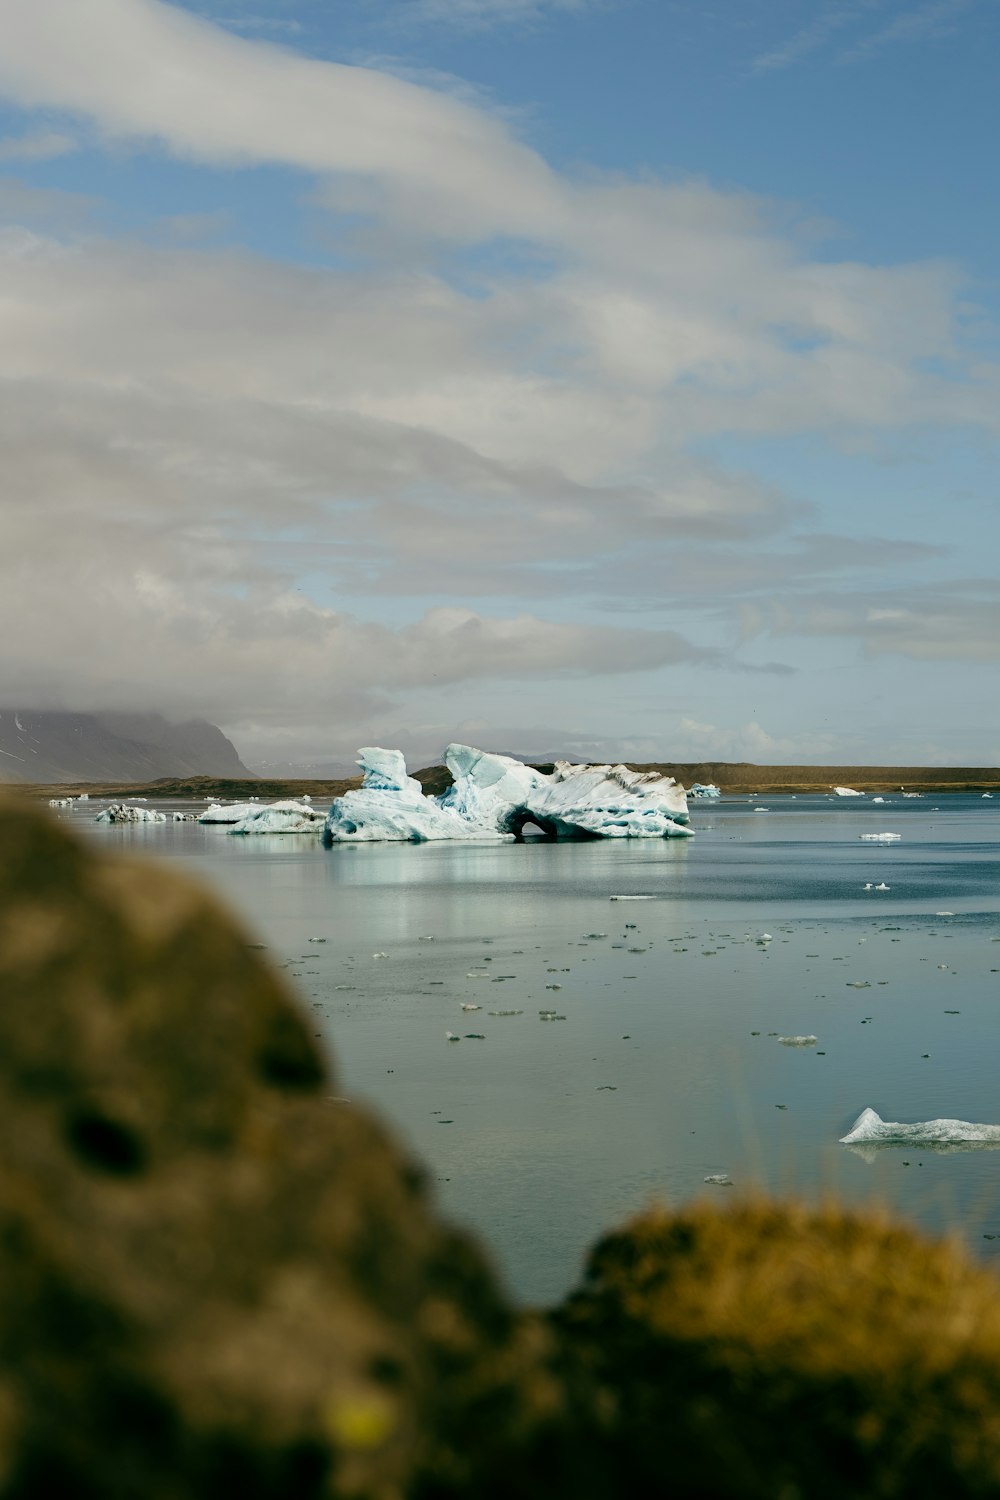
(664,1066)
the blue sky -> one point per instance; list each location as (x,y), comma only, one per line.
(607,377)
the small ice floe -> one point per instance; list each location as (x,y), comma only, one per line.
(882,886)
(846,791)
(868,886)
(122,812)
(765,937)
(880,838)
(631,898)
(380,955)
(279,817)
(719,1179)
(468,1005)
(911,795)
(944,913)
(869,1127)
(878,799)
(987,795)
(762,809)
(85,797)
(60,801)
(182,817)
(451,1037)
(798,1041)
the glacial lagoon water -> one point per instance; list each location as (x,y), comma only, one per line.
(663,1065)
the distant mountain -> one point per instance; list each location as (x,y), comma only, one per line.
(57,747)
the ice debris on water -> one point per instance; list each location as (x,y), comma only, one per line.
(880,838)
(719,1179)
(798,1041)
(631,898)
(495,796)
(60,801)
(870,1127)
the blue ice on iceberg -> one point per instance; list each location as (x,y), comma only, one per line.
(704,791)
(496,796)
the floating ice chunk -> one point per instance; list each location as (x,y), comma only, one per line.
(846,791)
(880,838)
(60,801)
(280,817)
(987,795)
(798,1041)
(122,812)
(870,1126)
(227,812)
(83,797)
(630,898)
(878,799)
(882,886)
(704,791)
(719,1179)
(182,817)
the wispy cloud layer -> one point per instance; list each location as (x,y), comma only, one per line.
(207,453)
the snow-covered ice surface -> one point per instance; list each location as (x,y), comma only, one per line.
(227,812)
(869,1128)
(280,817)
(122,812)
(494,796)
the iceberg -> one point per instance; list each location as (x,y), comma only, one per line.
(870,1129)
(846,791)
(279,817)
(880,838)
(704,791)
(496,796)
(122,812)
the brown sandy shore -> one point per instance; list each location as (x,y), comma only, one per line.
(730,777)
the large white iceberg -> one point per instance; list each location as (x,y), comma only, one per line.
(495,796)
(870,1129)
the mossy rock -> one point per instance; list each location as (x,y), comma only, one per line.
(216,1278)
(776,1351)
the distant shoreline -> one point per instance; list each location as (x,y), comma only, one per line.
(730,777)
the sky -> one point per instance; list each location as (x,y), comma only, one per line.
(603,378)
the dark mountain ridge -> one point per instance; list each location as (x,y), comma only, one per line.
(38,746)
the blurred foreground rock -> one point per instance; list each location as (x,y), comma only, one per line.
(216,1279)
